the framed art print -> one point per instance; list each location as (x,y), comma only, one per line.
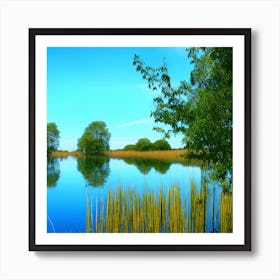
(140,139)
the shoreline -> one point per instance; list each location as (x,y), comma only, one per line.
(168,155)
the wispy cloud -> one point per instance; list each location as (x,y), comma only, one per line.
(121,86)
(132,123)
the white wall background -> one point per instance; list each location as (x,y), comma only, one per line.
(16,262)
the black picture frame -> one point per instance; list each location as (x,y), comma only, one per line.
(33,35)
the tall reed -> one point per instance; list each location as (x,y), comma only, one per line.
(171,155)
(125,210)
(226,211)
(88,213)
(197,209)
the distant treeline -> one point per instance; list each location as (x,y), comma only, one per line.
(144,144)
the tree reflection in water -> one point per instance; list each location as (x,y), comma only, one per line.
(145,165)
(53,171)
(94,169)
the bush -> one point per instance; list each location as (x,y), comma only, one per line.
(161,145)
(144,144)
(130,147)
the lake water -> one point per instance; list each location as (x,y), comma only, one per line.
(71,180)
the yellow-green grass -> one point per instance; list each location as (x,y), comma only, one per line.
(226,212)
(151,212)
(197,209)
(170,155)
(127,211)
(66,154)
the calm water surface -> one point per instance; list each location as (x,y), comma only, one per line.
(71,179)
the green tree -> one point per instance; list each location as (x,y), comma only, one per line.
(161,145)
(52,137)
(200,109)
(144,144)
(95,139)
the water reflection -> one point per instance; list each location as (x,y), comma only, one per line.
(94,169)
(53,171)
(74,208)
(145,165)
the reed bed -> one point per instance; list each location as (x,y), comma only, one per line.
(149,212)
(197,209)
(66,154)
(226,212)
(128,211)
(179,156)
(170,155)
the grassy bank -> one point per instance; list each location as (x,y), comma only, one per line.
(151,212)
(66,154)
(170,155)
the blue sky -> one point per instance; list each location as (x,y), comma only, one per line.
(101,84)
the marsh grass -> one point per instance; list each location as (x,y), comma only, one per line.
(66,154)
(170,155)
(149,212)
(226,212)
(197,209)
(180,156)
(88,213)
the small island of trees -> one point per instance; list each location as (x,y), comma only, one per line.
(144,144)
